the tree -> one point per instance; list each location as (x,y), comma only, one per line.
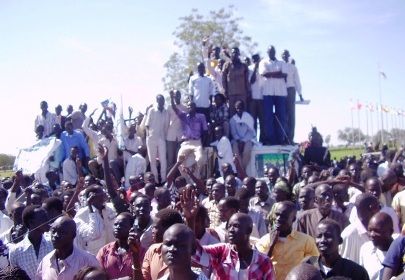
(377,138)
(397,135)
(6,160)
(351,136)
(223,29)
(327,140)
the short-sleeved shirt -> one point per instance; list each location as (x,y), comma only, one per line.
(225,261)
(112,263)
(49,269)
(309,219)
(290,253)
(193,127)
(394,258)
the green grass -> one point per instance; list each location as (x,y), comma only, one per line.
(6,173)
(341,152)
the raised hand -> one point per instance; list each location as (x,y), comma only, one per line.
(79,163)
(181,159)
(189,203)
(80,185)
(186,170)
(102,151)
(134,242)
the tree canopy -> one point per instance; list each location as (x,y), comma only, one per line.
(222,28)
(351,136)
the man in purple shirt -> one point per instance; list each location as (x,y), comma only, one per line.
(194,129)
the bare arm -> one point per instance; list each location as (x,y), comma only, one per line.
(135,247)
(172,173)
(240,171)
(198,182)
(75,198)
(103,153)
(174,107)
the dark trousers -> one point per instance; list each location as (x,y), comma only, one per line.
(290,113)
(275,128)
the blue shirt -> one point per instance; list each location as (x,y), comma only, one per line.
(193,127)
(76,139)
(394,257)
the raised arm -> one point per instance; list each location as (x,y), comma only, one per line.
(174,107)
(172,173)
(103,153)
(75,198)
(198,182)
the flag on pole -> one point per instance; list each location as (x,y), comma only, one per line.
(382,73)
(371,107)
(359,105)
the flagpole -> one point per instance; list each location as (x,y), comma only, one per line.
(382,121)
(371,124)
(378,122)
(352,131)
(367,122)
(358,119)
(386,125)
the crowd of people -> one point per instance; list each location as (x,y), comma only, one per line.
(148,210)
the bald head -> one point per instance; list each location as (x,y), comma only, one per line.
(244,222)
(181,239)
(304,271)
(288,206)
(180,229)
(367,205)
(319,189)
(388,180)
(383,220)
(364,200)
(65,222)
(63,232)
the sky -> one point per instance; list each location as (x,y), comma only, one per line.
(69,52)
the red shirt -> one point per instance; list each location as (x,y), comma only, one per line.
(110,261)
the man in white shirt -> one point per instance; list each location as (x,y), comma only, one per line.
(224,149)
(201,90)
(131,144)
(69,167)
(156,123)
(355,235)
(255,105)
(372,253)
(111,143)
(174,131)
(94,136)
(95,222)
(274,95)
(46,119)
(136,165)
(243,132)
(293,85)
